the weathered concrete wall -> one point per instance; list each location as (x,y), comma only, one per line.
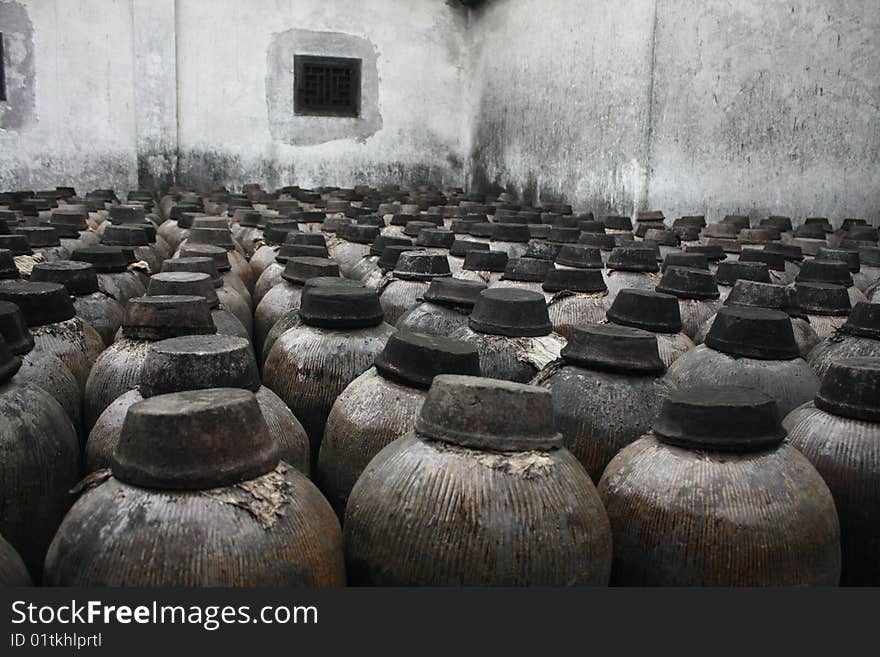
(69,119)
(685,105)
(235,85)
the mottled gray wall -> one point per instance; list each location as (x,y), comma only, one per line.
(684,105)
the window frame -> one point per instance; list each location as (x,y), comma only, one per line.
(301,108)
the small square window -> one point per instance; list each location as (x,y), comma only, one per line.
(327,86)
(2,71)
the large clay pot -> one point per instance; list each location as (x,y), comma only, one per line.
(631,268)
(752,348)
(831,272)
(382,404)
(576,299)
(114,277)
(368,266)
(485,267)
(341,333)
(525,274)
(500,501)
(137,238)
(839,432)
(295,247)
(607,390)
(446,306)
(859,337)
(715,497)
(353,244)
(411,279)
(13,572)
(513,239)
(826,306)
(697,294)
(198,498)
(656,313)
(44,242)
(221,261)
(728,273)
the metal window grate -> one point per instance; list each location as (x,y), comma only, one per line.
(327,86)
(2,71)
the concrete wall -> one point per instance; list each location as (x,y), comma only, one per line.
(683,105)
(235,92)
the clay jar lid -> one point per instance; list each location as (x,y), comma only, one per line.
(690,221)
(864,321)
(720,231)
(823,299)
(851,388)
(79,278)
(510,312)
(14,330)
(198,362)
(686,283)
(850,257)
(741,221)
(543,250)
(603,242)
(288,251)
(647,310)
(633,258)
(579,255)
(511,233)
(436,238)
(221,237)
(358,234)
(211,222)
(613,348)
(217,254)
(615,222)
(105,259)
(460,248)
(753,333)
(563,235)
(482,229)
(40,303)
(758,295)
(810,232)
(791,252)
(689,260)
(713,252)
(68,223)
(758,235)
(276,231)
(127,214)
(774,261)
(414,359)
(8,270)
(584,281)
(391,254)
(340,307)
(400,219)
(39,236)
(663,237)
(194,265)
(184,283)
(832,272)
(719,418)
(776,221)
(421,266)
(527,270)
(125,235)
(454,292)
(299,270)
(382,241)
(17,243)
(488,414)
(729,273)
(591,227)
(491,261)
(869,256)
(687,233)
(248,219)
(194,440)
(819,221)
(163,317)
(413,228)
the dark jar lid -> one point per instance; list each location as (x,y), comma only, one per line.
(125,235)
(851,388)
(713,252)
(869,256)
(382,241)
(421,266)
(810,232)
(358,233)
(69,222)
(580,256)
(613,348)
(488,414)
(864,321)
(198,362)
(306,239)
(39,237)
(194,265)
(759,295)
(633,258)
(791,252)
(460,248)
(80,278)
(17,243)
(564,235)
(543,250)
(616,222)
(8,269)
(646,310)
(340,307)
(481,229)
(603,242)
(414,359)
(127,214)
(832,272)
(288,251)
(777,221)
(184,283)
(105,259)
(276,232)
(683,259)
(221,237)
(194,440)
(391,254)
(822,299)
(437,238)
(510,312)
(663,237)
(753,333)
(221,259)
(850,257)
(299,270)
(163,317)
(774,261)
(690,221)
(720,231)
(527,270)
(413,228)
(14,329)
(511,233)
(583,281)
(402,219)
(741,221)
(591,227)
(719,418)
(40,303)
(729,273)
(686,283)
(454,292)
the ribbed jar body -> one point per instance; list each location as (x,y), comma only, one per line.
(568,311)
(600,413)
(46,371)
(348,254)
(280,299)
(40,465)
(371,413)
(75,343)
(276,530)
(487,277)
(617,280)
(693,518)
(789,382)
(432,319)
(270,277)
(287,321)
(476,518)
(839,346)
(102,312)
(695,313)
(400,296)
(262,258)
(122,286)
(116,371)
(510,359)
(846,452)
(13,572)
(826,325)
(367,265)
